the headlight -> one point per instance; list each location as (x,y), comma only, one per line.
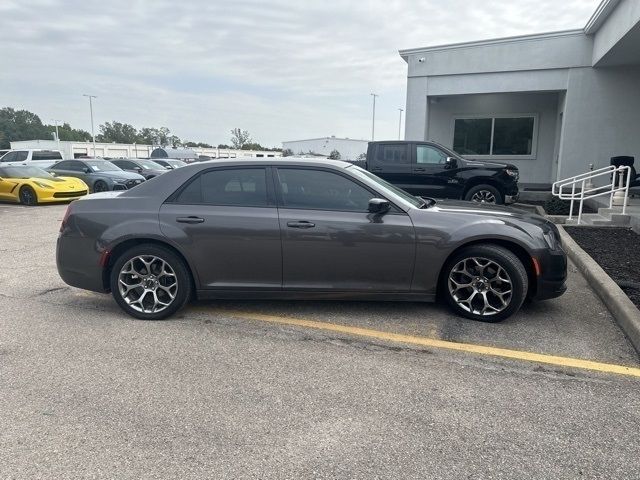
(43,185)
(511,172)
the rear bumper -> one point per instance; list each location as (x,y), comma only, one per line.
(78,264)
(553,274)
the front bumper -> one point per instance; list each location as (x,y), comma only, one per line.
(553,274)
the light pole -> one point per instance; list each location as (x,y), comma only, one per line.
(400,125)
(373,121)
(57,136)
(93,134)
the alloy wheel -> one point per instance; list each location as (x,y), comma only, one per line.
(148,284)
(483,196)
(27,196)
(480,286)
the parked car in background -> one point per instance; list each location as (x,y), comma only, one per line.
(100,175)
(170,163)
(31,186)
(34,157)
(147,168)
(303,228)
(432,170)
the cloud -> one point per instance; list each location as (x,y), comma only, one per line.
(281,69)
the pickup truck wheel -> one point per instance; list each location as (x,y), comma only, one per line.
(485,282)
(484,194)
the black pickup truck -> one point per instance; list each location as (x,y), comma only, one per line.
(431,170)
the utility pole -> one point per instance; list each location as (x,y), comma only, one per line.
(93,133)
(400,125)
(373,122)
(57,136)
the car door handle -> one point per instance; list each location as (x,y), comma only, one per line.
(190,219)
(420,169)
(302,224)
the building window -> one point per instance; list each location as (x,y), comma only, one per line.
(496,136)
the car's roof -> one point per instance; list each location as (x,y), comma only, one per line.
(293,161)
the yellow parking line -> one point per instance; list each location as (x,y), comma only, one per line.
(435,343)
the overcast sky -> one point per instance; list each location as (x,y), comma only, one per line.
(283,70)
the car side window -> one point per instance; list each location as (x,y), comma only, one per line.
(322,190)
(125,165)
(242,187)
(64,165)
(21,156)
(430,155)
(76,166)
(392,154)
(10,157)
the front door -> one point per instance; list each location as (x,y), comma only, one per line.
(433,177)
(331,242)
(226,222)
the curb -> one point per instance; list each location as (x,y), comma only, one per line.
(623,310)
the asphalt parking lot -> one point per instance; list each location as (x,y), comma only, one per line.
(259,389)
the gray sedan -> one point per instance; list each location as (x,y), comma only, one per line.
(100,175)
(300,228)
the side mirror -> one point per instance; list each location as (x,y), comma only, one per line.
(138,169)
(379,206)
(450,162)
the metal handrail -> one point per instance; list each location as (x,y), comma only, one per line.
(616,173)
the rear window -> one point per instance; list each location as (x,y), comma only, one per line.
(46,155)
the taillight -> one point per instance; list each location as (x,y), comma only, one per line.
(63,224)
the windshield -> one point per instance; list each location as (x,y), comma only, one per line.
(150,165)
(24,172)
(361,172)
(101,166)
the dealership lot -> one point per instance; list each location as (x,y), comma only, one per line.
(226,389)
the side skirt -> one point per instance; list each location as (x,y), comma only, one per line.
(313,295)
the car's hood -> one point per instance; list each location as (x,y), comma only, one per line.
(496,165)
(488,211)
(121,175)
(59,182)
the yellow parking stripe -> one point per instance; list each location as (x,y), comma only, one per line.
(435,343)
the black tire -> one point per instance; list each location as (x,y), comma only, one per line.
(28,196)
(455,296)
(177,266)
(100,186)
(484,191)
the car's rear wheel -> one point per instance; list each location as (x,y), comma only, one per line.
(100,186)
(28,196)
(150,282)
(485,282)
(484,194)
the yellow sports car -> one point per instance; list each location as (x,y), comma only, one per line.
(32,185)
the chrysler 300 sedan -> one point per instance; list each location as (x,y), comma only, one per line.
(303,229)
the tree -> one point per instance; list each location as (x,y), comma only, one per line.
(362,156)
(334,155)
(239,138)
(287,152)
(117,132)
(153,136)
(70,134)
(222,145)
(18,125)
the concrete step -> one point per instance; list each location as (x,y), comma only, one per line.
(602,220)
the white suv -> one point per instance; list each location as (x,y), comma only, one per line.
(34,157)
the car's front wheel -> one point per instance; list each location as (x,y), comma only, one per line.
(484,194)
(100,186)
(150,282)
(28,196)
(485,282)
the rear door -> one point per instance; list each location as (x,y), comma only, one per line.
(330,241)
(226,221)
(392,162)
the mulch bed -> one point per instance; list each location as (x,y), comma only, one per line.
(617,251)
(565,210)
